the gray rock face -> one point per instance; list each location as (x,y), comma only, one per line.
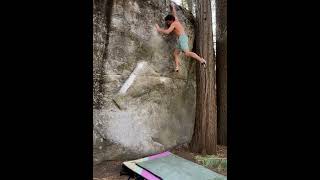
(141,106)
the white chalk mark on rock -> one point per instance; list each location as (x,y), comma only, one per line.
(132,77)
(163,79)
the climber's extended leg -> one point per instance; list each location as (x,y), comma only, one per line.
(195,56)
(176,59)
(183,44)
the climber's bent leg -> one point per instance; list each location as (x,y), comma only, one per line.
(176,59)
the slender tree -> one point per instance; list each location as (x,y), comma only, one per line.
(221,19)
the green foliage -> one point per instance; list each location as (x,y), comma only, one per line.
(212,161)
(187,4)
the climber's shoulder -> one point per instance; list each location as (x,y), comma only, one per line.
(176,22)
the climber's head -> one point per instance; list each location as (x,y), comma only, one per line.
(169,19)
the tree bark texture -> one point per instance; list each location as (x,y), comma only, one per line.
(204,138)
(221,19)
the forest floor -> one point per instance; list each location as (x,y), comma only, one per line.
(110,170)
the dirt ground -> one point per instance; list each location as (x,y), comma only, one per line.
(110,170)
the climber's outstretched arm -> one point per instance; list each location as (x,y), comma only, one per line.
(174,12)
(165,31)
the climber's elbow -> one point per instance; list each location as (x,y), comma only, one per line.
(166,32)
(170,29)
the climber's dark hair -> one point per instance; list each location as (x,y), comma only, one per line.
(169,18)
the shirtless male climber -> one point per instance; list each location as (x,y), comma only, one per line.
(175,26)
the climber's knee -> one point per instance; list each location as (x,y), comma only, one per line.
(187,53)
(176,53)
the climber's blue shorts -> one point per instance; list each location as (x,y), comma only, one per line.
(183,43)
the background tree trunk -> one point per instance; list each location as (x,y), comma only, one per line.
(190,5)
(204,138)
(221,19)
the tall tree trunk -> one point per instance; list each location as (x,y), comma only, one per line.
(221,19)
(204,138)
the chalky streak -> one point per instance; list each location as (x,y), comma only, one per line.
(131,78)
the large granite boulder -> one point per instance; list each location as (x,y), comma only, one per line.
(141,106)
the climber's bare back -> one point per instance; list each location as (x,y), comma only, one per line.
(178,28)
